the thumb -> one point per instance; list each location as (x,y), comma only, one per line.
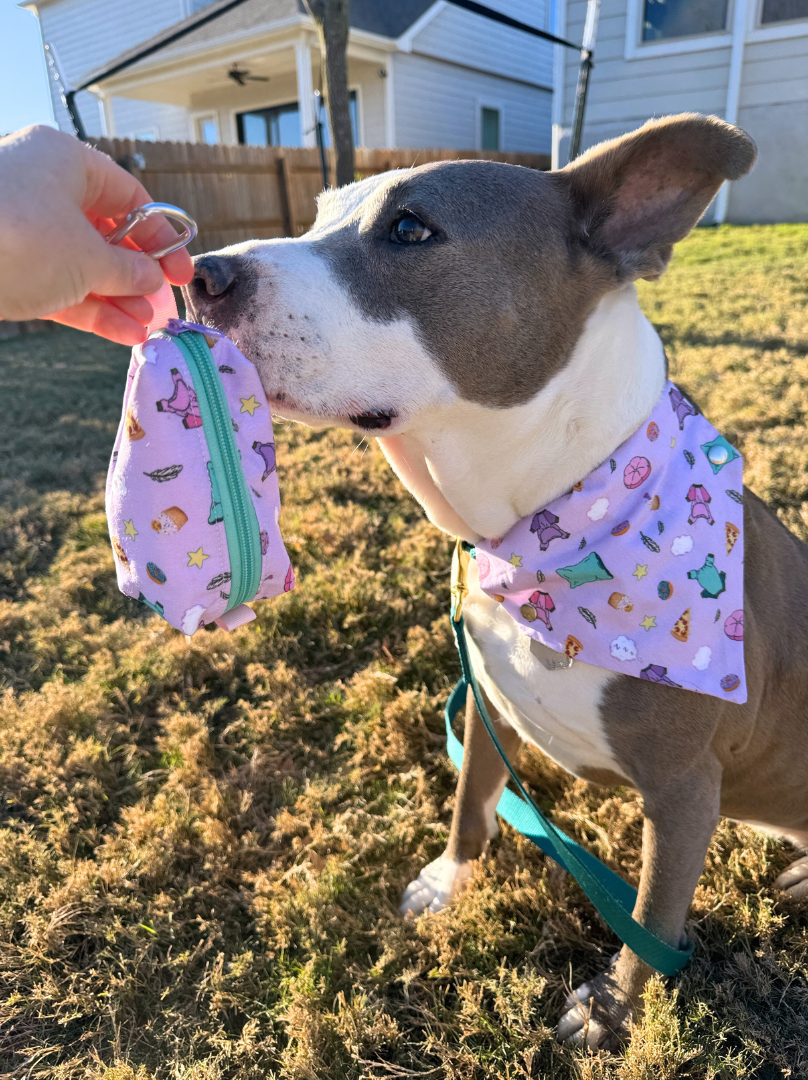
(120,271)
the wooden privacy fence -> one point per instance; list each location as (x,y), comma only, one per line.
(240,193)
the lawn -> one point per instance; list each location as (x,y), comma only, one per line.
(203,845)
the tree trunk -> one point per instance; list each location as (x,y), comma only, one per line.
(332,19)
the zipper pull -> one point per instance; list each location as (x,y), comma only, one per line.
(239,616)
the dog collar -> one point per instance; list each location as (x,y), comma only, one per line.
(638,569)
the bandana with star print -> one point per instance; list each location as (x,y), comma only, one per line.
(638,569)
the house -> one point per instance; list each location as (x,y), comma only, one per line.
(744,60)
(422,73)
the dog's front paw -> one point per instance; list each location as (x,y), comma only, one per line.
(436,886)
(596,1015)
(794,879)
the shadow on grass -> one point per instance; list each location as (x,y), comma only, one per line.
(61,396)
(691,338)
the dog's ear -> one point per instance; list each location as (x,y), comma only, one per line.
(633,198)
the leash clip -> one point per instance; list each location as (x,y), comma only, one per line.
(460,589)
(141,213)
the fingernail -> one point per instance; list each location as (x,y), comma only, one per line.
(146,275)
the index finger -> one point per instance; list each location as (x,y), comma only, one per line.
(111,192)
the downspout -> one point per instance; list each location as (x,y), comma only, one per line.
(733,94)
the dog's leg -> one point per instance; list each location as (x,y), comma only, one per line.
(680,817)
(474,821)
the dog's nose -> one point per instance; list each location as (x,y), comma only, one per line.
(214,277)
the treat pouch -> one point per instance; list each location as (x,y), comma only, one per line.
(192,491)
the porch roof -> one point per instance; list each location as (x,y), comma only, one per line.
(231,21)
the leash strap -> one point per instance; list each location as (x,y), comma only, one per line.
(613,897)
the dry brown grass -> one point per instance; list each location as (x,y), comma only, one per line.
(203,845)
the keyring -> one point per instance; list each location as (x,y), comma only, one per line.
(134,217)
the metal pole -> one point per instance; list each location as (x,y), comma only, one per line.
(318,127)
(587,63)
(74,114)
(580,103)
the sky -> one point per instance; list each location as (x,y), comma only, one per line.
(24,94)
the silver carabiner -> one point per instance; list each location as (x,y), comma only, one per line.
(174,213)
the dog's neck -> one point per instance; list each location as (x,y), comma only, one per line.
(477,470)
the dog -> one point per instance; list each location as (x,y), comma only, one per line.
(481,320)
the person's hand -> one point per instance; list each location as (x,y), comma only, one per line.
(58,199)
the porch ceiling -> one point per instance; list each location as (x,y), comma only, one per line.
(178,80)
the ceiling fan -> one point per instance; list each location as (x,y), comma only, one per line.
(242,76)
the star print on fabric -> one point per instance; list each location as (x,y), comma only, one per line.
(515,560)
(129,528)
(640,572)
(196,558)
(648,622)
(673,443)
(249,404)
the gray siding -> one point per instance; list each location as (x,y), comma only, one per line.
(775,72)
(773,104)
(625,93)
(88,33)
(774,110)
(437,105)
(777,187)
(464,38)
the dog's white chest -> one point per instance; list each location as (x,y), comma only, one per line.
(555,710)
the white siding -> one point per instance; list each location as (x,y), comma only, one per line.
(465,38)
(437,105)
(372,88)
(88,33)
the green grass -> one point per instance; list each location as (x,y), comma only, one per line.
(203,845)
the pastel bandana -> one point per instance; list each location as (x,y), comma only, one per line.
(638,569)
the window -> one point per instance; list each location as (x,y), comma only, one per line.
(776,11)
(207,129)
(664,19)
(280,125)
(354,121)
(146,136)
(489,129)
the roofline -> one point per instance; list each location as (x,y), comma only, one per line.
(192,59)
(404,42)
(201,19)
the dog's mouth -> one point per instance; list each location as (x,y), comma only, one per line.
(376,420)
(373,421)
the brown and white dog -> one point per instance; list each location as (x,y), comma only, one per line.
(481,319)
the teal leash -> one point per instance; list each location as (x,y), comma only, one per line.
(613,897)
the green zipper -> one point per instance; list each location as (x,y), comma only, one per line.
(240,521)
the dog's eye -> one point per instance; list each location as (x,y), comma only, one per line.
(410,230)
